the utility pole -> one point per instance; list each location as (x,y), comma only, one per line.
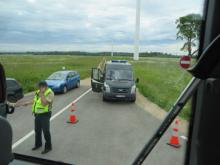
(112,52)
(137,30)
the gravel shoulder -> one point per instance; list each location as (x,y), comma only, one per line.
(158,112)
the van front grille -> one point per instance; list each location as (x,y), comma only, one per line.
(120,90)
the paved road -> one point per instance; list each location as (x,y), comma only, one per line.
(108,133)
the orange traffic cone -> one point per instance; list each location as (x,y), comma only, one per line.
(72,118)
(174,139)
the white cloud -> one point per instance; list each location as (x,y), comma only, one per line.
(31,1)
(92,24)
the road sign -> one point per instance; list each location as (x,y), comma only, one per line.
(185,62)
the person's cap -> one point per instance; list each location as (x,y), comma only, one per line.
(42,83)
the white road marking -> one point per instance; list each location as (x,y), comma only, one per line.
(17,143)
(22,139)
(184,137)
(185,62)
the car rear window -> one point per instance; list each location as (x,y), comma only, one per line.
(11,83)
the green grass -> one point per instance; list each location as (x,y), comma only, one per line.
(161,81)
(29,69)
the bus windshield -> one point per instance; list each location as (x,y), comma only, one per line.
(110,70)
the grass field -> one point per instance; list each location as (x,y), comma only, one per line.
(161,79)
(28,70)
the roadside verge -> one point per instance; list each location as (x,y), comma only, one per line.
(158,112)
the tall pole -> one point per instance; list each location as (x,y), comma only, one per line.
(112,52)
(137,30)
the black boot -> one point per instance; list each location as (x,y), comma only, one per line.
(46,150)
(35,148)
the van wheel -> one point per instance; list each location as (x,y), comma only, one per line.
(133,100)
(104,98)
(64,89)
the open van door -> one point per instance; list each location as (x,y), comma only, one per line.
(97,80)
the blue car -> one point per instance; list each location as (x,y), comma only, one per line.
(62,81)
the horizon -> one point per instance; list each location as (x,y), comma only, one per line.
(98,52)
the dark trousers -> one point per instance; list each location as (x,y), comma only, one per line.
(42,123)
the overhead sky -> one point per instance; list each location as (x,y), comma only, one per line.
(91,25)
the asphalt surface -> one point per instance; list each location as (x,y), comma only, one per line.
(108,133)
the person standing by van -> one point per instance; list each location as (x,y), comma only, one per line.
(41,109)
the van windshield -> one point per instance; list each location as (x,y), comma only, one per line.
(119,75)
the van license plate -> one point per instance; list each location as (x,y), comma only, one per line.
(121,96)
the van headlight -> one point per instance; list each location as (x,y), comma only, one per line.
(133,89)
(106,88)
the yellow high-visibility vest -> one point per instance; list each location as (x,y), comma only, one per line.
(38,107)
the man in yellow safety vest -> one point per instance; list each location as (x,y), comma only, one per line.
(41,109)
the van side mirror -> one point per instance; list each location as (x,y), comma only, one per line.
(137,80)
(207,65)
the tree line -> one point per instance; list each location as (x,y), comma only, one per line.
(79,53)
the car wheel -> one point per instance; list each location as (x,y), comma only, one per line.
(64,89)
(78,84)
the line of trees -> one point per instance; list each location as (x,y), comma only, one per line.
(79,53)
